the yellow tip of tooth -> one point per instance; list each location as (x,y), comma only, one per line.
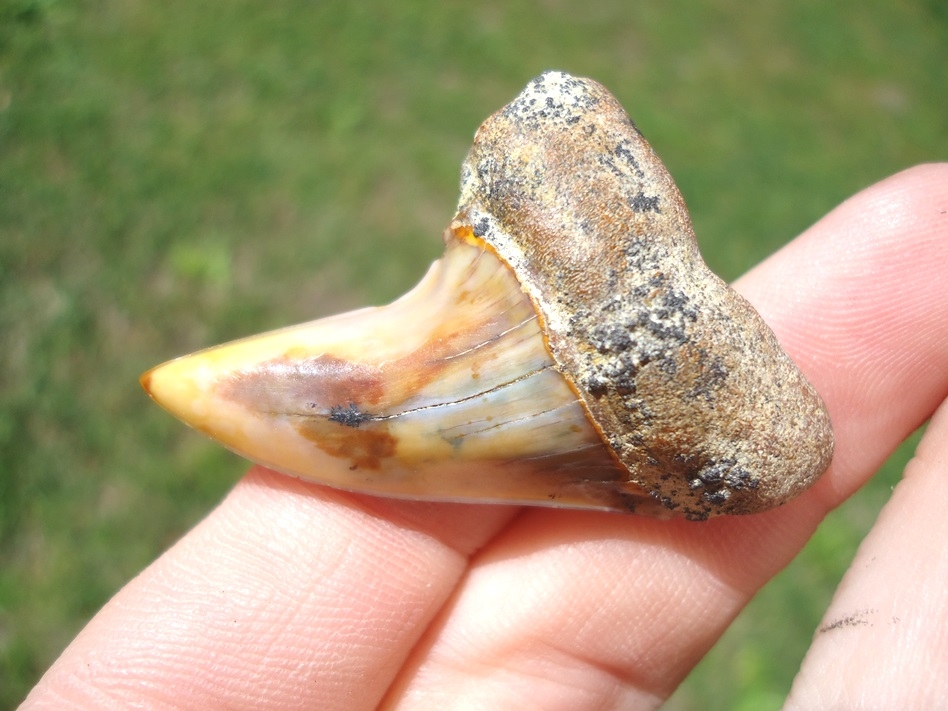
(194,389)
(145,380)
(174,386)
(159,386)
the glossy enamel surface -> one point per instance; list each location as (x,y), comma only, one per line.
(448,393)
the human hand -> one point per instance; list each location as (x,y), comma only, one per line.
(292,595)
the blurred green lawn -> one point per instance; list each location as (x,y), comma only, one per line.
(174,174)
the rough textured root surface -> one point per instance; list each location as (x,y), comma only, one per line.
(689,387)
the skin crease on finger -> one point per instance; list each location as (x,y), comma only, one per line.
(291,596)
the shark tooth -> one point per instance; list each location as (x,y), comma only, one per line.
(571,348)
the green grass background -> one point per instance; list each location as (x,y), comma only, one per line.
(174,174)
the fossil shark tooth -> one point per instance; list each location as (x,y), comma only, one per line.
(570,348)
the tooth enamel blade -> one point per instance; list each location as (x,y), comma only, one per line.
(448,393)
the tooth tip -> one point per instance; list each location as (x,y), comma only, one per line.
(145,381)
(167,386)
(155,382)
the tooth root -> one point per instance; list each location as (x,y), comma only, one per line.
(449,393)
